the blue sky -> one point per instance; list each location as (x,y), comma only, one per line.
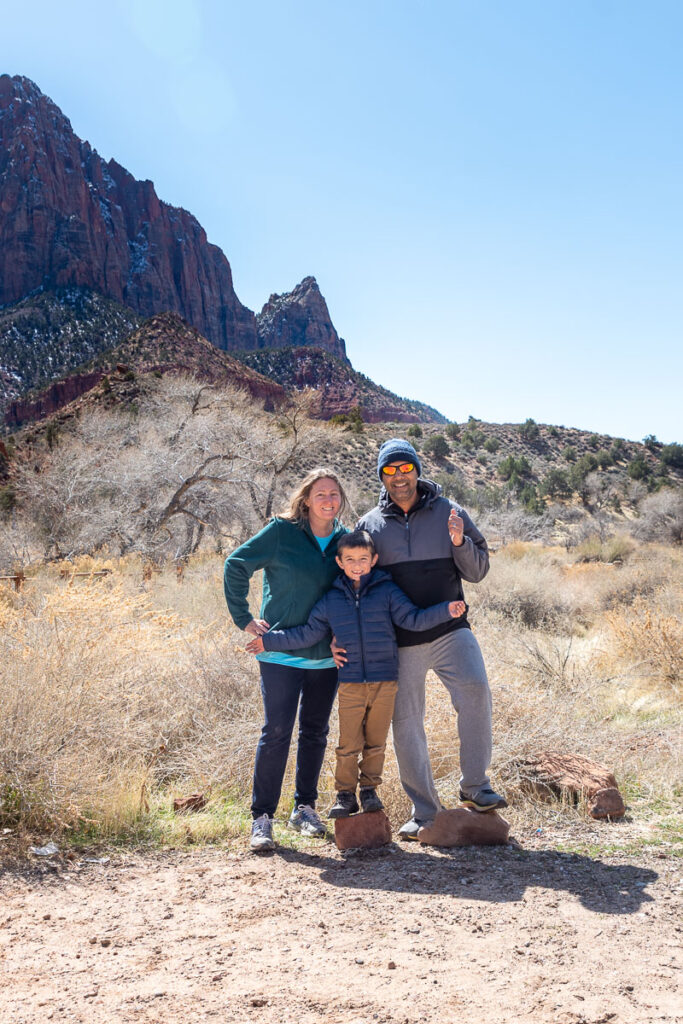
(488,192)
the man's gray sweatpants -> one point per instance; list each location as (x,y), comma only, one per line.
(456,659)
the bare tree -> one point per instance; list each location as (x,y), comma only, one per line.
(194,459)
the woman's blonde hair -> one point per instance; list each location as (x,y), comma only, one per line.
(296,510)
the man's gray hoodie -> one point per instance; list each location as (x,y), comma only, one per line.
(416,549)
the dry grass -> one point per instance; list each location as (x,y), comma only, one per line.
(120,692)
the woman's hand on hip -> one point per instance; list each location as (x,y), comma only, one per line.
(255,646)
(257,627)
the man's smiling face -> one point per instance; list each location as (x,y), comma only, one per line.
(402,487)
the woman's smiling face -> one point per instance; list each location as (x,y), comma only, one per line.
(323,504)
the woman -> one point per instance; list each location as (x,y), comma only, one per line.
(297,554)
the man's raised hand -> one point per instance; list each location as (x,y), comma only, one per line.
(456,528)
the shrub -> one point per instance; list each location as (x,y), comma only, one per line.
(530,500)
(555,484)
(529,430)
(453,431)
(613,549)
(473,438)
(438,446)
(569,453)
(672,455)
(415,430)
(661,517)
(553,431)
(638,468)
(510,466)
(492,444)
(651,443)
(617,451)
(604,458)
(481,459)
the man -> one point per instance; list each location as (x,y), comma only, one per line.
(429,545)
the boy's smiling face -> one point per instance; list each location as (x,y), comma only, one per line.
(356,562)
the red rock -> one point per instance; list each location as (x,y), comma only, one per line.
(194,802)
(606,803)
(576,776)
(364,831)
(465,827)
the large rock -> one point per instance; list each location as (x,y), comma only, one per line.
(362,831)
(68,217)
(575,777)
(299,317)
(465,827)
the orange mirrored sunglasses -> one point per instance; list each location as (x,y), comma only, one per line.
(405,467)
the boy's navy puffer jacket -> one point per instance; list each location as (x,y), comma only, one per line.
(362,621)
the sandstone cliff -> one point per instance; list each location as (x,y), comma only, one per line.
(68,217)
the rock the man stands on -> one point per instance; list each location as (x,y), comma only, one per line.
(429,545)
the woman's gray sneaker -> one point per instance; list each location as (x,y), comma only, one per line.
(262,834)
(484,800)
(306,820)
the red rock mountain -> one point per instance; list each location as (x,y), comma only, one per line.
(68,217)
(299,317)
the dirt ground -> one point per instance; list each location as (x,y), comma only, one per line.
(402,935)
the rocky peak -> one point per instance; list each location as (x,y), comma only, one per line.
(299,317)
(68,217)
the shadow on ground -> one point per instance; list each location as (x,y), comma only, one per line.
(489,874)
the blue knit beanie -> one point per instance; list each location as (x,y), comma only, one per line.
(393,450)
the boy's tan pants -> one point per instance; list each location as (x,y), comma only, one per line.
(365,711)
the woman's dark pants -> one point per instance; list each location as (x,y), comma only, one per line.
(285,689)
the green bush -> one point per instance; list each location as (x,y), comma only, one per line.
(472,438)
(529,430)
(510,466)
(438,446)
(617,451)
(638,468)
(672,455)
(415,430)
(651,443)
(604,458)
(529,498)
(452,431)
(553,431)
(555,484)
(569,453)
(492,444)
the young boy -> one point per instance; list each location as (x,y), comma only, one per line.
(360,610)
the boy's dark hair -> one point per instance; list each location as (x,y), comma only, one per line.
(357,539)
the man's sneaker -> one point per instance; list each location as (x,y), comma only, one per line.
(408,832)
(369,800)
(344,805)
(262,834)
(306,820)
(484,800)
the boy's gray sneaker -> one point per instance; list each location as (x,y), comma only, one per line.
(369,800)
(344,805)
(262,834)
(484,800)
(306,820)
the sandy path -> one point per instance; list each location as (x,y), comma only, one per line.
(307,936)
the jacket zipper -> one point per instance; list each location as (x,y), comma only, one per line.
(360,633)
